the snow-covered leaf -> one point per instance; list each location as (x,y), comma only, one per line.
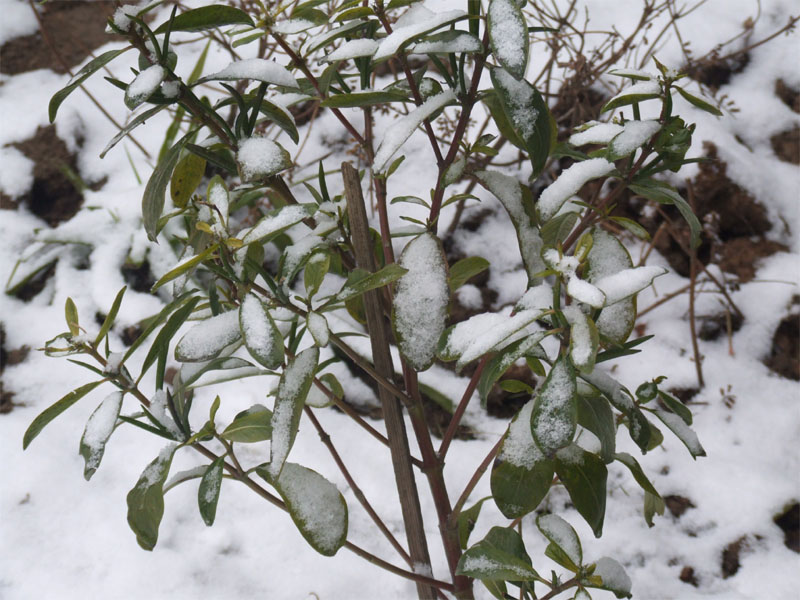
(206,339)
(500,556)
(258,69)
(632,137)
(583,338)
(494,370)
(315,505)
(293,388)
(638,92)
(569,183)
(510,193)
(250,426)
(146,500)
(584,475)
(98,429)
(626,283)
(613,577)
(208,492)
(447,42)
(420,300)
(401,129)
(261,335)
(682,431)
(508,34)
(521,475)
(595,133)
(323,39)
(561,533)
(555,411)
(413,24)
(144,85)
(528,115)
(361,281)
(352,49)
(50,413)
(272,225)
(318,327)
(260,157)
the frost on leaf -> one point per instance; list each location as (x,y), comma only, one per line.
(98,429)
(420,301)
(259,69)
(401,129)
(509,191)
(293,388)
(606,258)
(261,157)
(271,225)
(583,340)
(555,413)
(561,533)
(508,33)
(261,336)
(318,327)
(315,505)
(569,183)
(144,86)
(206,340)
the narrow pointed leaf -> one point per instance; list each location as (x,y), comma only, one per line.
(108,322)
(208,492)
(98,429)
(50,413)
(508,35)
(261,335)
(81,76)
(250,426)
(146,500)
(207,17)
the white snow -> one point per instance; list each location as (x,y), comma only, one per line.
(597,133)
(286,217)
(420,300)
(291,26)
(145,84)
(520,98)
(113,362)
(613,575)
(519,449)
(259,69)
(564,536)
(634,135)
(206,339)
(122,16)
(99,428)
(18,20)
(318,327)
(469,296)
(462,42)
(569,182)
(551,430)
(260,157)
(16,176)
(401,129)
(258,332)
(352,49)
(509,33)
(585,292)
(157,470)
(625,283)
(580,335)
(414,23)
(685,433)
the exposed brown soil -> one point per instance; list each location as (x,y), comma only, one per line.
(687,576)
(138,277)
(53,196)
(7,358)
(716,71)
(784,358)
(789,96)
(789,522)
(730,557)
(741,255)
(677,505)
(786,145)
(712,327)
(74,28)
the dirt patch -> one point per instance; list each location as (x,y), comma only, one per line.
(677,505)
(740,256)
(138,277)
(730,557)
(784,358)
(54,196)
(74,28)
(712,327)
(789,96)
(716,71)
(786,145)
(687,576)
(789,522)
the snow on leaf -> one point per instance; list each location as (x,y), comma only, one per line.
(613,575)
(146,500)
(352,49)
(585,292)
(98,429)
(608,257)
(420,300)
(643,90)
(555,413)
(508,34)
(206,339)
(261,336)
(274,224)
(401,129)
(259,69)
(583,340)
(519,448)
(596,133)
(318,327)
(414,23)
(144,86)
(634,135)
(569,183)
(626,283)
(682,431)
(509,191)
(561,533)
(448,42)
(315,505)
(261,157)
(293,388)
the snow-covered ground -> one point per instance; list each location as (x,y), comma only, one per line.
(64,538)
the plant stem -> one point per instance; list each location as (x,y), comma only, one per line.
(462,406)
(476,477)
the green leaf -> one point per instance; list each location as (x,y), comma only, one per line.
(663,194)
(558,228)
(208,492)
(521,475)
(146,499)
(612,577)
(319,399)
(154,322)
(282,219)
(465,269)
(467,520)
(153,199)
(361,281)
(632,226)
(188,174)
(314,503)
(71,315)
(529,116)
(508,36)
(555,411)
(133,124)
(699,102)
(207,17)
(359,99)
(281,118)
(682,431)
(515,386)
(81,76)
(595,414)
(185,266)
(208,338)
(639,92)
(47,415)
(98,429)
(500,556)
(293,388)
(191,372)
(676,406)
(638,474)
(500,363)
(653,505)
(108,322)
(261,335)
(492,101)
(584,475)
(160,345)
(250,426)
(315,270)
(567,551)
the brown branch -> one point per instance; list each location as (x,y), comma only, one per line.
(462,406)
